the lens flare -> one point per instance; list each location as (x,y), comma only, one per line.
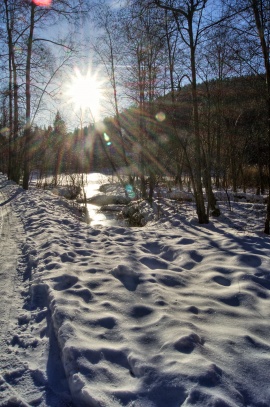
(17,50)
(160,116)
(130,191)
(42,3)
(107,139)
(4,131)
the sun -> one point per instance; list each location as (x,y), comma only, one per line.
(84,92)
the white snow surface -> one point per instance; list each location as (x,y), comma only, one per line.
(172,314)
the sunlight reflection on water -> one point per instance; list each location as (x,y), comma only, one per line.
(94,181)
(101,218)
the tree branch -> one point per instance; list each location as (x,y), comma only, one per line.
(53,42)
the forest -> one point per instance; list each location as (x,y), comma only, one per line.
(185,94)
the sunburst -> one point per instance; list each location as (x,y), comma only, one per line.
(85,91)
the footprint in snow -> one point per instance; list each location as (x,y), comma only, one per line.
(222,281)
(152,247)
(197,257)
(64,282)
(140,311)
(193,309)
(153,263)
(83,293)
(232,300)
(128,277)
(211,377)
(187,343)
(249,260)
(170,281)
(107,322)
(67,257)
(185,241)
(262,282)
(171,254)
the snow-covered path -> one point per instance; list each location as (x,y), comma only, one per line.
(172,314)
(11,242)
(24,374)
(8,257)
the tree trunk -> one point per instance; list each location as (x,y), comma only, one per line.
(13,170)
(259,17)
(202,215)
(27,131)
(117,114)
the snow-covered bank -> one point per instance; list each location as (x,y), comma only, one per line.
(172,314)
(31,371)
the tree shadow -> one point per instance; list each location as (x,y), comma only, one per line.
(16,193)
(57,392)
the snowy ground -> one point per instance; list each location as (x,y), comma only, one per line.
(172,314)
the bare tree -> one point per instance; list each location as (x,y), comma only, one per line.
(146,44)
(25,21)
(188,18)
(108,48)
(11,10)
(261,13)
(254,22)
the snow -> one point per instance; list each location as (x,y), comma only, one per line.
(171,314)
